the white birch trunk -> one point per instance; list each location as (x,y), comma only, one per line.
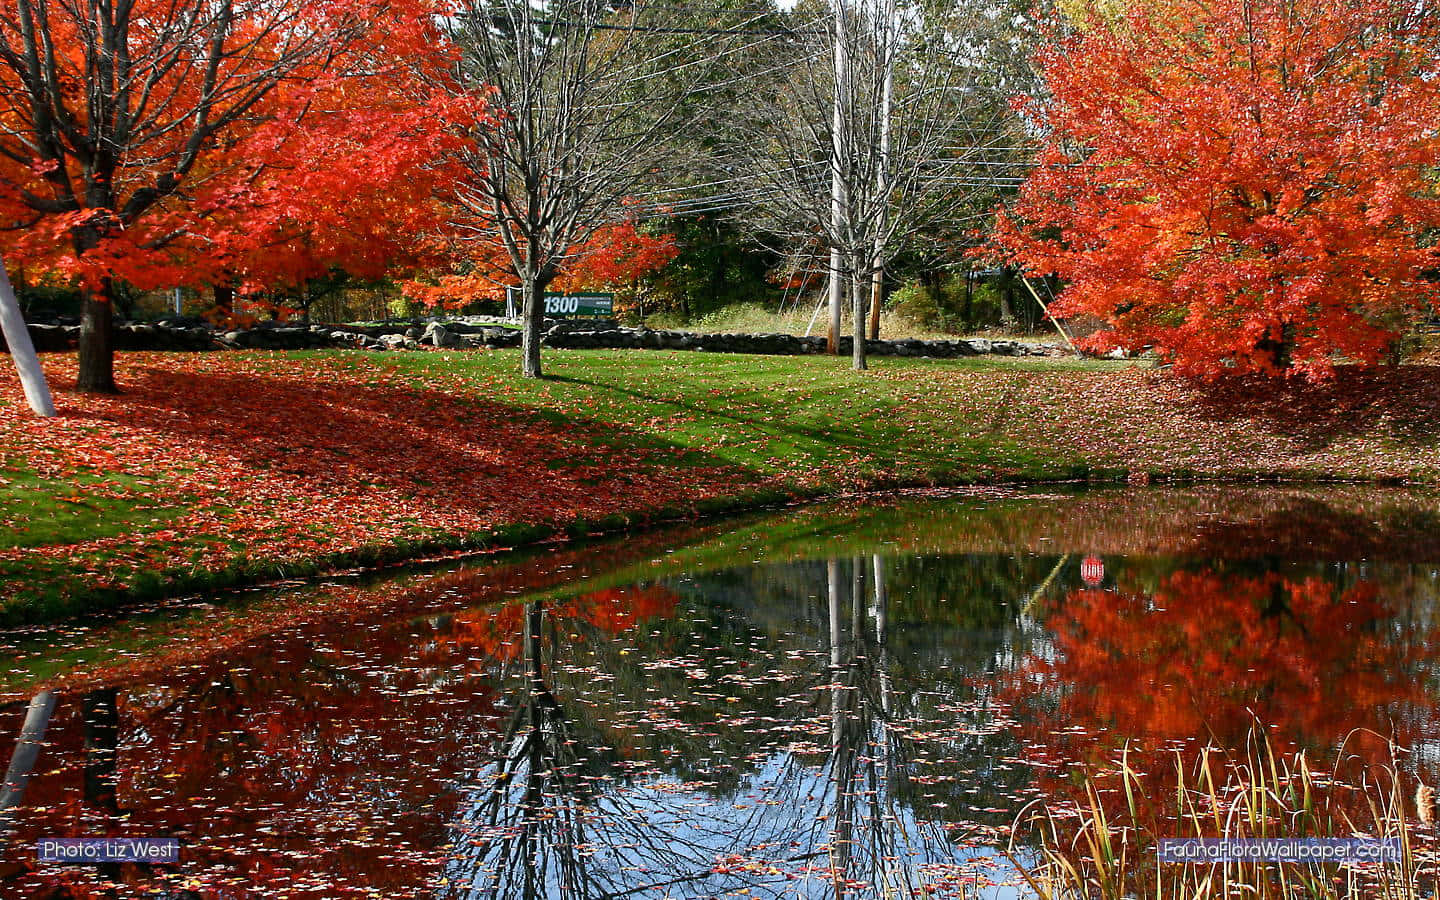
(22,350)
(27,749)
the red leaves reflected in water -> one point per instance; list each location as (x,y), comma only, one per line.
(1206,650)
(1211,658)
(316,768)
(496,632)
(321,761)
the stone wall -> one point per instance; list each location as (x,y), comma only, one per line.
(483,332)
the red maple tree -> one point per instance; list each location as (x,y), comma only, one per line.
(150,141)
(354,187)
(1241,184)
(613,257)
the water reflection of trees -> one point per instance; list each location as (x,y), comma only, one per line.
(267,766)
(953,623)
(1179,657)
(699,733)
(839,774)
(525,832)
(1203,652)
(873,838)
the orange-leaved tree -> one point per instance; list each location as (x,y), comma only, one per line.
(1242,184)
(355,187)
(617,256)
(614,256)
(139,132)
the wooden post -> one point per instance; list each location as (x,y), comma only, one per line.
(877,294)
(887,91)
(1053,320)
(839,198)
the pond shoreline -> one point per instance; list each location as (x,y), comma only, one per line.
(1349,520)
(221,471)
(462,548)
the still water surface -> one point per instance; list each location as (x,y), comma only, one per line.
(836,700)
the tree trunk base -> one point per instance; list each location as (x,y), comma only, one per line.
(533,311)
(97,353)
(859,309)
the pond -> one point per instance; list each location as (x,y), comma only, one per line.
(848,699)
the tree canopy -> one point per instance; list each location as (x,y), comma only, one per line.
(155,142)
(1245,185)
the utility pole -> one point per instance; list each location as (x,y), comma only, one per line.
(839,202)
(882,186)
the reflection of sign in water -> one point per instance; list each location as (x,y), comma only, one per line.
(564,304)
(1092,570)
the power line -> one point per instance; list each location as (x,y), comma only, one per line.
(777,30)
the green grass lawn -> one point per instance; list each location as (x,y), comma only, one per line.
(807,418)
(43,511)
(229,467)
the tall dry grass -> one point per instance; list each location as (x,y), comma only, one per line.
(1104,847)
(752,318)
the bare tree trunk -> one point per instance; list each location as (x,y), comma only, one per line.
(877,295)
(97,350)
(968,313)
(859,298)
(22,350)
(533,312)
(1007,299)
(837,301)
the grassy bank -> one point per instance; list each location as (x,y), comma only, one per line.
(220,468)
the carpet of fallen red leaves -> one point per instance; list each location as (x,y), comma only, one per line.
(319,459)
(1360,425)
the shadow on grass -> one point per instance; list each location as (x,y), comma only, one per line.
(1402,401)
(389,443)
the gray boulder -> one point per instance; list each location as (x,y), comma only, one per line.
(436,335)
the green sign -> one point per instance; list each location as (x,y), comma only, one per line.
(560,305)
(579,304)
